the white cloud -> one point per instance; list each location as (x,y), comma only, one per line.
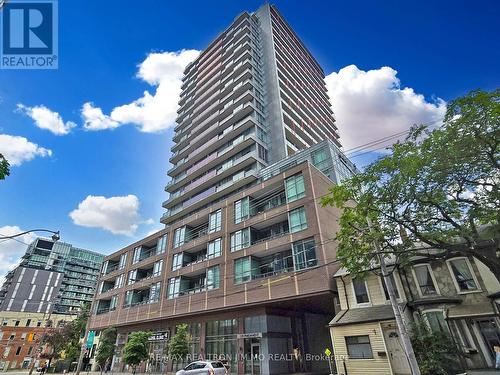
(152,112)
(11,250)
(94,119)
(118,215)
(369,105)
(46,119)
(18,149)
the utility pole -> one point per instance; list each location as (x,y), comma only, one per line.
(403,332)
(42,340)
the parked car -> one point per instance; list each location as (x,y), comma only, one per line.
(203,368)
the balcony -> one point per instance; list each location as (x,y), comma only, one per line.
(104,306)
(142,252)
(107,286)
(142,295)
(265,266)
(269,233)
(143,273)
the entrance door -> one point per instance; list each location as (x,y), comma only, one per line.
(255,351)
(395,352)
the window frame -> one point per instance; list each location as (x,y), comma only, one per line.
(214,243)
(356,336)
(426,319)
(297,195)
(415,278)
(303,225)
(473,274)
(244,210)
(217,221)
(243,245)
(396,283)
(361,304)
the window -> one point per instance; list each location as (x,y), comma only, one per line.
(123,261)
(113,303)
(179,236)
(157,267)
(384,286)
(215,221)
(360,291)
(463,332)
(132,276)
(241,210)
(174,285)
(161,245)
(39,323)
(297,219)
(425,280)
(16,324)
(154,292)
(304,254)
(295,188)
(129,295)
(5,322)
(358,347)
(436,322)
(30,350)
(242,270)
(462,272)
(213,277)
(28,322)
(176,261)
(18,351)
(214,248)
(23,336)
(240,239)
(119,281)
(319,160)
(137,255)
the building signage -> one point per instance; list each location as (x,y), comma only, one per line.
(160,336)
(249,335)
(90,339)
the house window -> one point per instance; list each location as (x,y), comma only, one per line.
(359,347)
(161,245)
(154,292)
(360,291)
(28,322)
(436,322)
(384,286)
(424,279)
(242,270)
(179,236)
(297,219)
(214,248)
(215,221)
(123,261)
(319,160)
(157,267)
(176,261)
(463,274)
(295,188)
(16,324)
(304,254)
(137,255)
(18,351)
(174,285)
(213,277)
(240,239)
(241,210)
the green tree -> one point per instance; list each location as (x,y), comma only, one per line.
(106,348)
(136,349)
(178,345)
(4,167)
(436,352)
(74,332)
(437,189)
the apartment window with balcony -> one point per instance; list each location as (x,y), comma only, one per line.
(123,261)
(129,294)
(215,221)
(213,277)
(241,210)
(161,245)
(464,278)
(214,248)
(240,239)
(132,276)
(113,303)
(119,281)
(425,280)
(243,269)
(304,254)
(176,261)
(157,267)
(154,292)
(174,285)
(179,236)
(297,219)
(295,188)
(137,255)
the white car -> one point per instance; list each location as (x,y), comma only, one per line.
(203,368)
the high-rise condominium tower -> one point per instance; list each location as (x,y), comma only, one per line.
(255,96)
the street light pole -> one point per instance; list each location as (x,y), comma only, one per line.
(55,234)
(403,332)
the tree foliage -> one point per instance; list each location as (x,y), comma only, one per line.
(106,348)
(436,352)
(136,348)
(4,167)
(437,189)
(178,345)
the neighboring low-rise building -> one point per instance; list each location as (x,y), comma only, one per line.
(456,296)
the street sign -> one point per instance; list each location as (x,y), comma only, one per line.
(328,352)
(90,339)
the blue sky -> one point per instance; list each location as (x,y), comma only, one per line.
(431,51)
